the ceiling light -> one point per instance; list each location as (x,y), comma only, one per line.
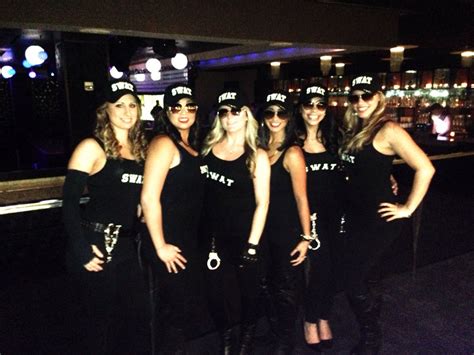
(8,71)
(115,73)
(155,76)
(179,61)
(35,55)
(153,65)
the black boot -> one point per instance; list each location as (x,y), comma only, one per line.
(246,338)
(367,312)
(226,342)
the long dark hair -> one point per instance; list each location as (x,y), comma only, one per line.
(164,126)
(291,137)
(328,130)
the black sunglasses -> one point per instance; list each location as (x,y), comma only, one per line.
(224,111)
(366,96)
(283,114)
(191,107)
(319,105)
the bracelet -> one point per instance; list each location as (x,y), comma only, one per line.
(307,238)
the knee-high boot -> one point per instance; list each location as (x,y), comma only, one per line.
(226,342)
(367,312)
(247,334)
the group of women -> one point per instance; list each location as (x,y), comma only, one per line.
(263,195)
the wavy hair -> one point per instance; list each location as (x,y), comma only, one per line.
(217,134)
(105,133)
(290,132)
(164,126)
(356,134)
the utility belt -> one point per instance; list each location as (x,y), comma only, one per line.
(111,233)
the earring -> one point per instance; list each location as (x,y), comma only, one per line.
(261,124)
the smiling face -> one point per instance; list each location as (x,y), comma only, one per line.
(313,111)
(232,119)
(276,119)
(364,107)
(123,114)
(182,115)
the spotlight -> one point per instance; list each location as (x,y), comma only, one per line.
(155,76)
(179,61)
(26,64)
(8,71)
(114,73)
(32,74)
(35,55)
(140,77)
(153,65)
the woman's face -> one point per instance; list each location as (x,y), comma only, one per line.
(182,115)
(364,103)
(313,111)
(232,119)
(123,114)
(275,118)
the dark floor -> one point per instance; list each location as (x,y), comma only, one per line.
(432,313)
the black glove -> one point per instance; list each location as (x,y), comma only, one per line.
(249,255)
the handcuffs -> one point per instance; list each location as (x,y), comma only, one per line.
(213,257)
(111,234)
(314,234)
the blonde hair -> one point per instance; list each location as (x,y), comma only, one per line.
(217,134)
(356,134)
(104,132)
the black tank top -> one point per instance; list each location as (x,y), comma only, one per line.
(324,182)
(368,181)
(282,215)
(229,197)
(114,192)
(181,201)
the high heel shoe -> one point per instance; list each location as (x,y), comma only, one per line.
(326,344)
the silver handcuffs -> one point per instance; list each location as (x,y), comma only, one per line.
(111,234)
(314,234)
(213,257)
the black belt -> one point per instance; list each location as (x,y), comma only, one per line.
(100,227)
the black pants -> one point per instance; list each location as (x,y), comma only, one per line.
(232,292)
(115,305)
(282,285)
(365,244)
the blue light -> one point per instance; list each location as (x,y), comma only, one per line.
(8,71)
(26,64)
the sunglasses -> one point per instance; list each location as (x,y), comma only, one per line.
(319,105)
(283,114)
(366,96)
(191,107)
(224,111)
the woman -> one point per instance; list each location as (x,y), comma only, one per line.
(236,205)
(171,201)
(319,133)
(287,230)
(370,142)
(101,244)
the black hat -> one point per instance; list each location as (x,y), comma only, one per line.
(232,97)
(313,90)
(366,82)
(115,89)
(280,98)
(176,92)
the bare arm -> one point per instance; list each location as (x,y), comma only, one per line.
(261,186)
(162,155)
(403,145)
(295,164)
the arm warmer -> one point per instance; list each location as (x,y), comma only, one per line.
(73,188)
